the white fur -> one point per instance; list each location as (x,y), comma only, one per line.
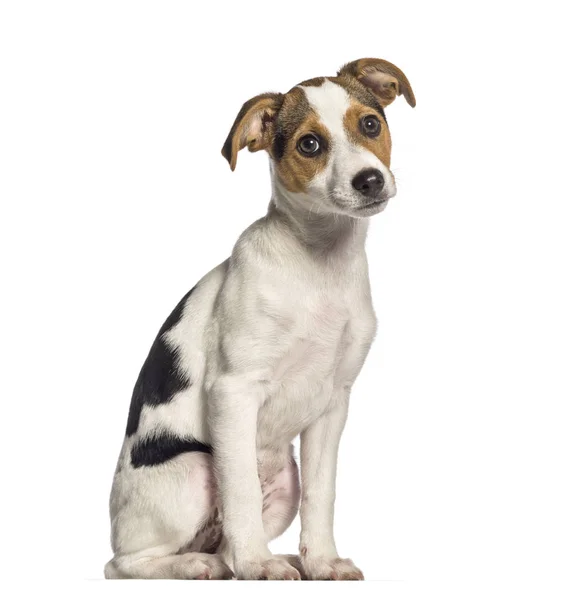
(272,340)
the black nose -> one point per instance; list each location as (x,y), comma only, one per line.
(368,182)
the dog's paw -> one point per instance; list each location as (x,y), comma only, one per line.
(205,566)
(272,568)
(329,569)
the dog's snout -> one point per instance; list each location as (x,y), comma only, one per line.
(368,182)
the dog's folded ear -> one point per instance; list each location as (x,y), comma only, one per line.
(253,127)
(384,80)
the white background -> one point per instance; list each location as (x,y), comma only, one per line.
(459,470)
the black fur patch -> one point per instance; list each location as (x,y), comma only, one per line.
(160,377)
(161,447)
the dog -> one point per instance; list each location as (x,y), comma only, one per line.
(265,348)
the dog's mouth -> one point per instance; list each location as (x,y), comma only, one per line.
(373,206)
(376,202)
(359,206)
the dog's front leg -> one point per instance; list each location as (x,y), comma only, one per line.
(319,447)
(234,404)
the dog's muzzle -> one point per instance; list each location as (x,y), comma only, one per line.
(369,183)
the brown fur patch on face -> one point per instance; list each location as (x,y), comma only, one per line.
(380,145)
(314,82)
(296,119)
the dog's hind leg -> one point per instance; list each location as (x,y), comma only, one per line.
(191,565)
(165,521)
(281,495)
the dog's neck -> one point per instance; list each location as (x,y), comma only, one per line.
(321,234)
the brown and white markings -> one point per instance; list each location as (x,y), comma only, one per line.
(265,348)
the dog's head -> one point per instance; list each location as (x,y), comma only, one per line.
(328,137)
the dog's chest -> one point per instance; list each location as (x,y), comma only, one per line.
(313,334)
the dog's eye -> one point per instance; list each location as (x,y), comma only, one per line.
(309,145)
(370,126)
